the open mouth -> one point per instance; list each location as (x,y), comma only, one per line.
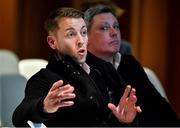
(82,51)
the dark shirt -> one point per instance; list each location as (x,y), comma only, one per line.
(156,111)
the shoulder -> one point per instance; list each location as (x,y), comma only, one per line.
(129,61)
(130,68)
(43,74)
(128,58)
(44,77)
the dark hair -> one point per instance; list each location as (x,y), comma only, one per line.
(51,21)
(93,11)
(86,4)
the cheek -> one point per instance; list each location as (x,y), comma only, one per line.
(97,40)
(69,46)
(86,40)
(102,40)
(119,36)
(63,46)
(68,49)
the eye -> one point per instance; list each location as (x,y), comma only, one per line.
(70,34)
(104,28)
(84,32)
(116,26)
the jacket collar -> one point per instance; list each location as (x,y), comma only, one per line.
(58,64)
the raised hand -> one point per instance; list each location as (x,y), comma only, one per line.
(126,110)
(57,97)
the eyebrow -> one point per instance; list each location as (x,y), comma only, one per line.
(83,27)
(108,22)
(71,28)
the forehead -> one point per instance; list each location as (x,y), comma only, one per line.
(68,22)
(104,17)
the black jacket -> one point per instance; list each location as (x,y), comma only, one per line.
(92,97)
(156,111)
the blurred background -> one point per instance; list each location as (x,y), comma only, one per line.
(151,26)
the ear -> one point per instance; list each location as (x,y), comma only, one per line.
(51,42)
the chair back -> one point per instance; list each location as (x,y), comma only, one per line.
(8,61)
(28,67)
(11,94)
(155,81)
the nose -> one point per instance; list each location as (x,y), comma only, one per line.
(80,40)
(113,32)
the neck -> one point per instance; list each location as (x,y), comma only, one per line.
(107,58)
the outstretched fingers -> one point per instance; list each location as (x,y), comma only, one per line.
(123,100)
(59,96)
(126,109)
(133,99)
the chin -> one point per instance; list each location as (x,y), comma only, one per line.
(115,50)
(82,60)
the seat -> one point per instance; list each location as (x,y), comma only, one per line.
(28,67)
(11,94)
(155,81)
(8,61)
